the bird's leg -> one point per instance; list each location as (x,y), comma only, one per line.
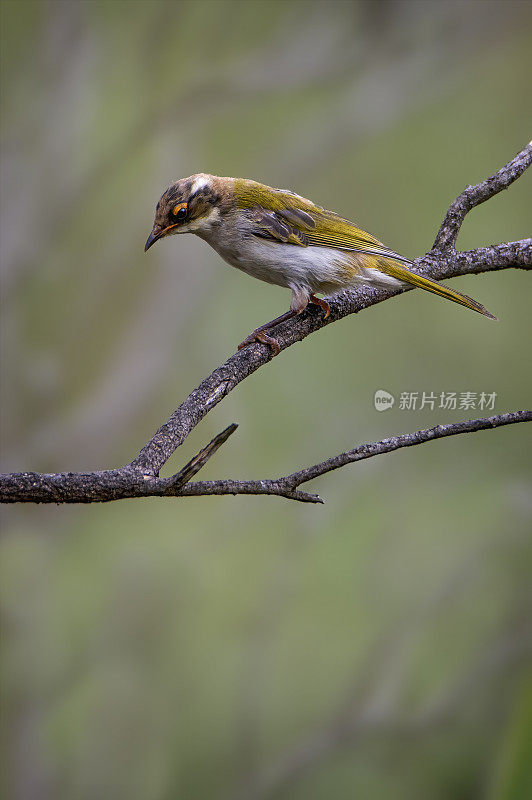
(300,298)
(323,304)
(260,335)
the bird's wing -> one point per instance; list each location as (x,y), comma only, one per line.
(271,225)
(286,217)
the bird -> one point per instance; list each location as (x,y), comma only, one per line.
(284,239)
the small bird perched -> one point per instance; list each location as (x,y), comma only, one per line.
(286,240)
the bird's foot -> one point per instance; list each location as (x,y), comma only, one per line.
(261,336)
(323,304)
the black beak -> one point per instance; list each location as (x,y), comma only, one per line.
(156,233)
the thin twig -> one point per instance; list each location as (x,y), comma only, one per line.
(195,464)
(475,195)
(406,440)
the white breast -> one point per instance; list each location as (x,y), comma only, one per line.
(318,268)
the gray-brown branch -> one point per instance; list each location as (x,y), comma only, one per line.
(475,195)
(118,484)
(140,478)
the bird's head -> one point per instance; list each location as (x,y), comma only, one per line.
(190,205)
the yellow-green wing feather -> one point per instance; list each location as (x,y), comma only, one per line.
(319,227)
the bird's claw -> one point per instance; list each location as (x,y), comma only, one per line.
(261,336)
(321,303)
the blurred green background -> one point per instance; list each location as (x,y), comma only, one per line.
(239,648)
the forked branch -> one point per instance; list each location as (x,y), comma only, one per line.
(140,478)
(475,195)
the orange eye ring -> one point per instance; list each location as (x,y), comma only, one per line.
(180,207)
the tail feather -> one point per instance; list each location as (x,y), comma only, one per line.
(403,274)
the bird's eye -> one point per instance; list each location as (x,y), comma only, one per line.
(180,211)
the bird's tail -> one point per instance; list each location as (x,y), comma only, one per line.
(402,273)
